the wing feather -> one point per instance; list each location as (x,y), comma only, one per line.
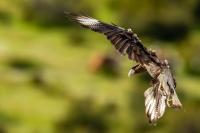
(125,41)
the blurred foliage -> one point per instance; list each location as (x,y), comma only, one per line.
(59,78)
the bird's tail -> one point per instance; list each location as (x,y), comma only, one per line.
(155,103)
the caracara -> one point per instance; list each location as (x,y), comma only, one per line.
(162,93)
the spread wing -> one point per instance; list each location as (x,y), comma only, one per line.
(125,41)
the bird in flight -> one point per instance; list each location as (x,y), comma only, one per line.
(162,93)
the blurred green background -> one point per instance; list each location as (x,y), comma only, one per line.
(56,77)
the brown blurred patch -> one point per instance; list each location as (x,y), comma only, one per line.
(104,63)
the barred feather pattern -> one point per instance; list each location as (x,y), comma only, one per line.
(155,103)
(124,40)
(162,93)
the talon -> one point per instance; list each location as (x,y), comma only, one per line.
(169,102)
(131,72)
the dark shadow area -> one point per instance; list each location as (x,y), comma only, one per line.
(86,117)
(167,32)
(23,64)
(5,17)
(45,13)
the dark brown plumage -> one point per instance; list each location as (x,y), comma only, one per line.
(162,93)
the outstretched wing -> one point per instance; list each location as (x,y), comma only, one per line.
(125,41)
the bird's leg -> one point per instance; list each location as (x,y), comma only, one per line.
(154,81)
(136,69)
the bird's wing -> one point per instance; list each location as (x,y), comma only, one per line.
(125,41)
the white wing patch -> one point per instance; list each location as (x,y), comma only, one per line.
(87,21)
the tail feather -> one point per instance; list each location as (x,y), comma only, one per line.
(155,103)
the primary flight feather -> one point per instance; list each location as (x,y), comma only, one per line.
(162,93)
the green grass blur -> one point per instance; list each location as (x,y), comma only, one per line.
(56,77)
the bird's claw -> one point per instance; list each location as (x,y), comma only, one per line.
(131,72)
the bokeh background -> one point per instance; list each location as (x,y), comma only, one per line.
(56,77)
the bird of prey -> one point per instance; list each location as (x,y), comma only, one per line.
(162,93)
